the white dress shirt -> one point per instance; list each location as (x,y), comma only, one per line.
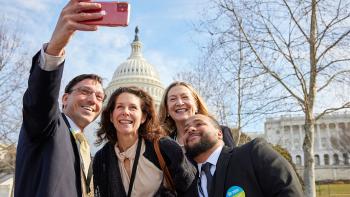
(49,62)
(213,159)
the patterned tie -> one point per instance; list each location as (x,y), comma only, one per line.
(84,150)
(206,169)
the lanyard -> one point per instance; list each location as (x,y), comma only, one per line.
(89,175)
(134,167)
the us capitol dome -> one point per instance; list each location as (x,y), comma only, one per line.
(136,71)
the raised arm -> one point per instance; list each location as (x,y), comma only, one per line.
(40,101)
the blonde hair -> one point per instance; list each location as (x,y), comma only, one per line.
(166,121)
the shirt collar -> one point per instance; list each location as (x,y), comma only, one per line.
(74,128)
(130,153)
(213,158)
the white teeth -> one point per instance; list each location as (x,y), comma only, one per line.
(180,110)
(88,108)
(125,121)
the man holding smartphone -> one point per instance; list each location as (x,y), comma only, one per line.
(51,159)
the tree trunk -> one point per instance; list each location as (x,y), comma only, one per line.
(309,100)
(308,148)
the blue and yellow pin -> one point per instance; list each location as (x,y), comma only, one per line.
(235,191)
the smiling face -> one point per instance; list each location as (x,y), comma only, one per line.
(200,135)
(180,103)
(81,107)
(127,115)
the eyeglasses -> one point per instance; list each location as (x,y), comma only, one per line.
(100,96)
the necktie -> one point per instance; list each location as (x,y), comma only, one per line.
(206,169)
(84,150)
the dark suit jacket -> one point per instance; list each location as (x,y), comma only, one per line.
(108,181)
(47,162)
(257,169)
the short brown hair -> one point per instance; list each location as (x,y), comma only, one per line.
(80,78)
(150,129)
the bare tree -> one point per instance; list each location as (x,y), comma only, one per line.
(302,46)
(13,72)
(236,92)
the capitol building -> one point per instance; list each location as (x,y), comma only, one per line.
(331,162)
(136,71)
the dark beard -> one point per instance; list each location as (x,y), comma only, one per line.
(203,145)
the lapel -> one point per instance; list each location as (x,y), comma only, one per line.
(220,172)
(193,189)
(115,183)
(76,152)
(83,177)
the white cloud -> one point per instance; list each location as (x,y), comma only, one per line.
(98,52)
(166,65)
(34,5)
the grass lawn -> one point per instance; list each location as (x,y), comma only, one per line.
(333,190)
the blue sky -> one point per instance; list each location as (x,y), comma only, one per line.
(166,31)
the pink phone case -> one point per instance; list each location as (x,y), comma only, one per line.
(116,14)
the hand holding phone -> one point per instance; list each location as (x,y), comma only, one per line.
(114,14)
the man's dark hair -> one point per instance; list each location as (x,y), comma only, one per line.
(80,78)
(214,122)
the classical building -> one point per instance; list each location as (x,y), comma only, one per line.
(136,71)
(6,184)
(7,163)
(331,162)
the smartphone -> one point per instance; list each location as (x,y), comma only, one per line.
(114,14)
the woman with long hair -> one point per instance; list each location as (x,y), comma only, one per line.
(127,164)
(181,101)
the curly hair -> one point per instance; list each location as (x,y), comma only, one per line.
(167,122)
(150,129)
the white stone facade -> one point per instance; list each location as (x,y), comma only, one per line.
(136,71)
(6,185)
(330,163)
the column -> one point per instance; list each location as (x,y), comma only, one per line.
(328,142)
(301,138)
(318,133)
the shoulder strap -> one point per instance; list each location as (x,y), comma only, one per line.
(163,166)
(134,167)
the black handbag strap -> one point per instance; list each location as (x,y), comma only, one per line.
(134,167)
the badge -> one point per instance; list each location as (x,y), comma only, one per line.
(235,191)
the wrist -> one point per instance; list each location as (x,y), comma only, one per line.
(54,51)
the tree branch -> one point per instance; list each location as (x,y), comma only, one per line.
(332,78)
(330,110)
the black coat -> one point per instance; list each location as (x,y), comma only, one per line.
(257,169)
(107,178)
(47,161)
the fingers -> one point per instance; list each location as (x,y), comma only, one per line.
(77,7)
(83,16)
(68,23)
(75,25)
(77,12)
